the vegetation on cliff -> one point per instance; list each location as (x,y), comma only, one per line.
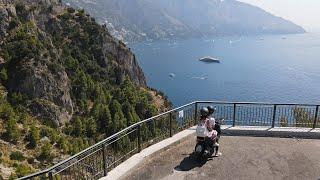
(65,84)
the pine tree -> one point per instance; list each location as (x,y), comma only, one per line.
(34,136)
(91,127)
(78,127)
(12,131)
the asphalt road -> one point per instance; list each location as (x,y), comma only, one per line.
(243,158)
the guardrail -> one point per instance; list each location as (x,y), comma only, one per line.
(95,161)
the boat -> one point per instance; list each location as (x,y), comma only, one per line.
(172,75)
(209,59)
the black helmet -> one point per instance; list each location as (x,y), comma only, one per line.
(211,109)
(204,111)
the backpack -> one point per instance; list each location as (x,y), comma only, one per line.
(202,130)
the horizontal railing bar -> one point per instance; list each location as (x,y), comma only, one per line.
(255,103)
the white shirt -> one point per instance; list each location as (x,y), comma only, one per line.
(212,121)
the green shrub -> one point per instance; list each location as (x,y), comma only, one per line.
(22,170)
(13,23)
(3,75)
(30,160)
(17,98)
(71,10)
(17,155)
(51,133)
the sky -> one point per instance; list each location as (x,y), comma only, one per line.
(305,13)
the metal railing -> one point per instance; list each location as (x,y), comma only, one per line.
(95,161)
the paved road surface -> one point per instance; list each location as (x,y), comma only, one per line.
(243,158)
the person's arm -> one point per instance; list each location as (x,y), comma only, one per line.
(208,125)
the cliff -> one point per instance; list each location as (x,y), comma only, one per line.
(65,84)
(34,35)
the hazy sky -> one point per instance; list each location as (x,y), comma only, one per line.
(302,12)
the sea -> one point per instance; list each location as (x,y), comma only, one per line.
(268,68)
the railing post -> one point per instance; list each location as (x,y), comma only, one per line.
(316,118)
(234,114)
(170,124)
(104,153)
(274,115)
(196,114)
(139,137)
(50,176)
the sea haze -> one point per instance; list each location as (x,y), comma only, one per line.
(269,68)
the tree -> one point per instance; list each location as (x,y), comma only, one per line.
(45,153)
(77,127)
(127,111)
(12,131)
(62,143)
(102,114)
(34,136)
(129,90)
(118,121)
(91,127)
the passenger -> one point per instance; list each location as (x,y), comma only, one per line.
(217,127)
(204,120)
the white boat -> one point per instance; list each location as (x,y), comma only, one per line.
(209,59)
(172,75)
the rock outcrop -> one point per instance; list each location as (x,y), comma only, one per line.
(48,88)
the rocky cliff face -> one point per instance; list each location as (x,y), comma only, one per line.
(65,84)
(34,35)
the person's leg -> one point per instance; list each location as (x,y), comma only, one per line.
(218,129)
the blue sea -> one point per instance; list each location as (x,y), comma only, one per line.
(270,68)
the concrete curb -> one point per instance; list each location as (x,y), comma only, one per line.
(136,159)
(281,132)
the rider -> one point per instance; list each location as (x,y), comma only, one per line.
(204,119)
(216,126)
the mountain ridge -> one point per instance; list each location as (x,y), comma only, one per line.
(132,20)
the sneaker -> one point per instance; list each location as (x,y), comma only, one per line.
(216,144)
(218,154)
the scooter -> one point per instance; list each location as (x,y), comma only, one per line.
(205,146)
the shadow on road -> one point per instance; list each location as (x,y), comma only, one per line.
(189,163)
